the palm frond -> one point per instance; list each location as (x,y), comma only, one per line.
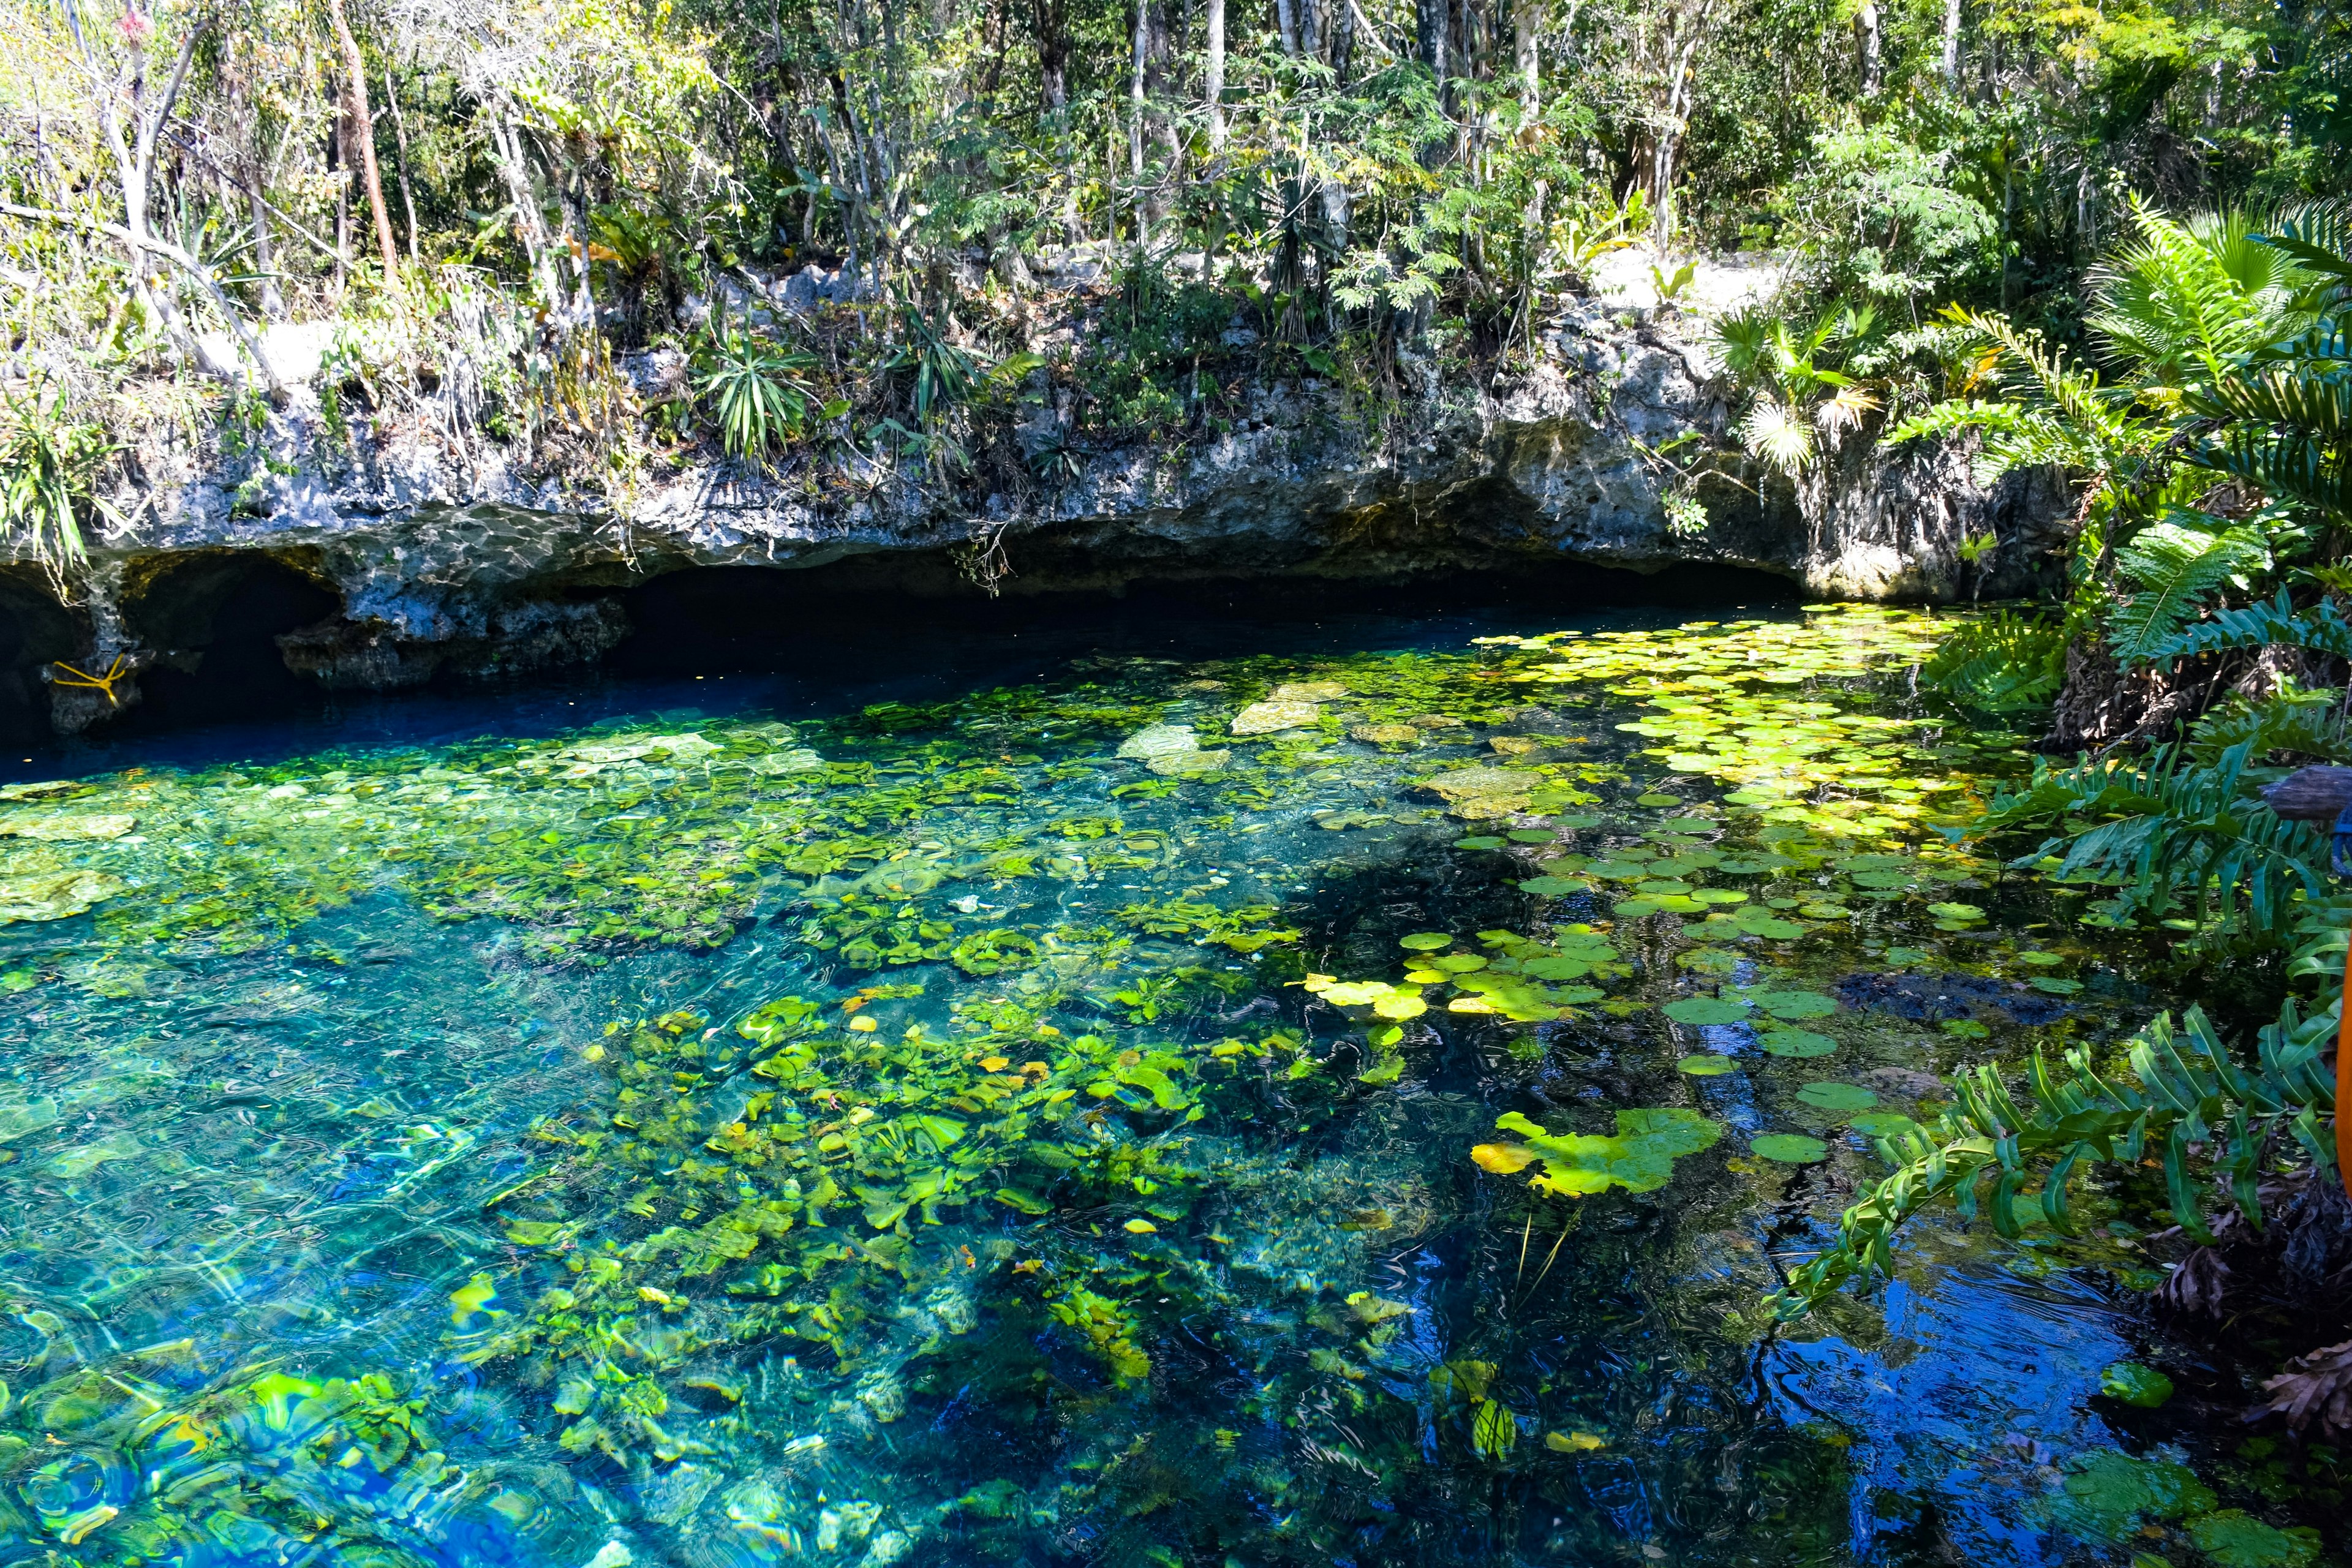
(2295,721)
(1778,434)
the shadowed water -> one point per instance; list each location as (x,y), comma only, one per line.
(1021,1108)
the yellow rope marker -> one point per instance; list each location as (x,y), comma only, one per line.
(100,683)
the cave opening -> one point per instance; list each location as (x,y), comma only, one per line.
(214,618)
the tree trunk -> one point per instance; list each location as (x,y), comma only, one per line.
(1867,44)
(400,151)
(1310,28)
(1526,16)
(1135,118)
(1285,21)
(1052,21)
(1343,42)
(1213,86)
(265,255)
(1951,63)
(362,141)
(1432,21)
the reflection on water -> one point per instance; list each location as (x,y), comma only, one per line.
(1034,1121)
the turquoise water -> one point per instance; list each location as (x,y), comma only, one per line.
(928,1119)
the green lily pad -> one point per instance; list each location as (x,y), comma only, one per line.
(1796,1043)
(1654,798)
(1575,822)
(2133,1384)
(1788,1148)
(1532,835)
(2108,1496)
(1793,1004)
(1956,915)
(1759,923)
(1639,1157)
(1554,887)
(1837,1097)
(1425,942)
(1704,1010)
(1825,911)
(2235,1539)
(1882,1124)
(1481,841)
(2041,960)
(2054,987)
(1720,896)
(1707,1065)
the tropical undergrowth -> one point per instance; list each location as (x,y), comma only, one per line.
(2201,648)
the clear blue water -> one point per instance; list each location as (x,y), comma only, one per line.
(401,1167)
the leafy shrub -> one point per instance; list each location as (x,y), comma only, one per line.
(755,391)
(48,480)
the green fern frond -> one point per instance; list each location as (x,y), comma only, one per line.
(2004,662)
(2297,721)
(2177,566)
(2186,1101)
(2322,628)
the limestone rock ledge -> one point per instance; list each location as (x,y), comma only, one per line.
(432,553)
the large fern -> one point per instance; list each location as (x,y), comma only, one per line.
(2176,839)
(2177,565)
(2185,1100)
(2295,720)
(2277,623)
(2002,662)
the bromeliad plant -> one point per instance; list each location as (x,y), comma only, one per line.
(2185,1101)
(756,391)
(48,481)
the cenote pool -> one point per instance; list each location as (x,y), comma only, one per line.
(1043,1108)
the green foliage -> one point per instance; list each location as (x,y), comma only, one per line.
(2185,1102)
(2176,564)
(2003,662)
(49,465)
(755,391)
(2176,840)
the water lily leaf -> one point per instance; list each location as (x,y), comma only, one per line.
(2133,1384)
(1837,1097)
(1707,1065)
(1026,1203)
(1554,887)
(1573,1442)
(1956,915)
(1825,911)
(1720,896)
(1704,1010)
(2041,960)
(1796,1043)
(1654,798)
(1573,823)
(1639,1157)
(2108,1495)
(1532,835)
(1794,1004)
(1388,1071)
(2235,1539)
(1425,942)
(1503,1159)
(1141,1227)
(1762,922)
(1882,1124)
(1788,1148)
(1480,841)
(1492,1429)
(2054,987)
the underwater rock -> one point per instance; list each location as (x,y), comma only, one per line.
(54,894)
(1478,793)
(54,830)
(1276,713)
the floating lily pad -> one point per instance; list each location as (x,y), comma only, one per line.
(2041,960)
(1837,1097)
(1425,942)
(2235,1539)
(2054,987)
(1554,887)
(1788,1148)
(1825,911)
(1707,1065)
(2134,1384)
(1654,798)
(1794,1004)
(1639,1157)
(1956,915)
(1532,835)
(2109,1494)
(1720,896)
(1882,1124)
(1481,841)
(1796,1043)
(1573,823)
(1704,1010)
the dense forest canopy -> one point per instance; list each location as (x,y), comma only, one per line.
(271,157)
